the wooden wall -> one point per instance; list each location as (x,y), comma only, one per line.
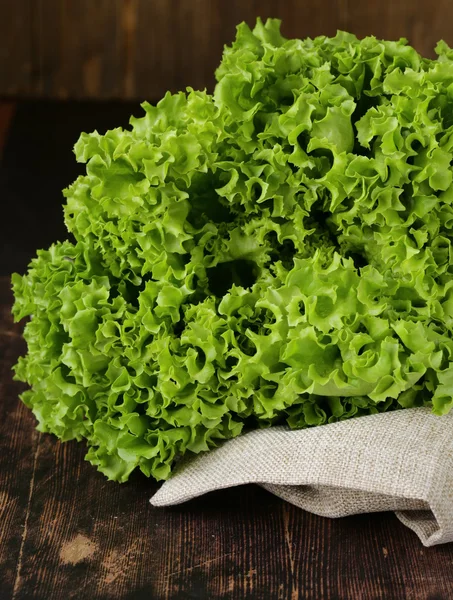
(138,49)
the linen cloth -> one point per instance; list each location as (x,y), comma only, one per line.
(399,461)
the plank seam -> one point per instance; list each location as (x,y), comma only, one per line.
(27,516)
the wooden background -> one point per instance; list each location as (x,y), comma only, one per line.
(137,49)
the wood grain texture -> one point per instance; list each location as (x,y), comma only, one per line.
(139,49)
(68,533)
(191,36)
(78,48)
(16,24)
(18,446)
(422,23)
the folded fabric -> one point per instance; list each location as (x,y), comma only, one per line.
(400,461)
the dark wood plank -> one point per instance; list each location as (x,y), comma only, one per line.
(90,538)
(15,48)
(18,450)
(182,46)
(284,553)
(78,48)
(140,49)
(422,23)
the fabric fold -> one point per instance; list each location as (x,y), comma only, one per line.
(399,461)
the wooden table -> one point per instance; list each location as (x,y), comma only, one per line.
(66,532)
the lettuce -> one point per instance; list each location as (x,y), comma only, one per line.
(280,250)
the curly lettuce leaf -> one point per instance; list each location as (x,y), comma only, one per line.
(277,251)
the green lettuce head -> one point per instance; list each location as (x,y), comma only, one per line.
(280,251)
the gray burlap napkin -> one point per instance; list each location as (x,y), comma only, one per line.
(401,461)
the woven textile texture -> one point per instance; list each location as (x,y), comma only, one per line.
(400,461)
